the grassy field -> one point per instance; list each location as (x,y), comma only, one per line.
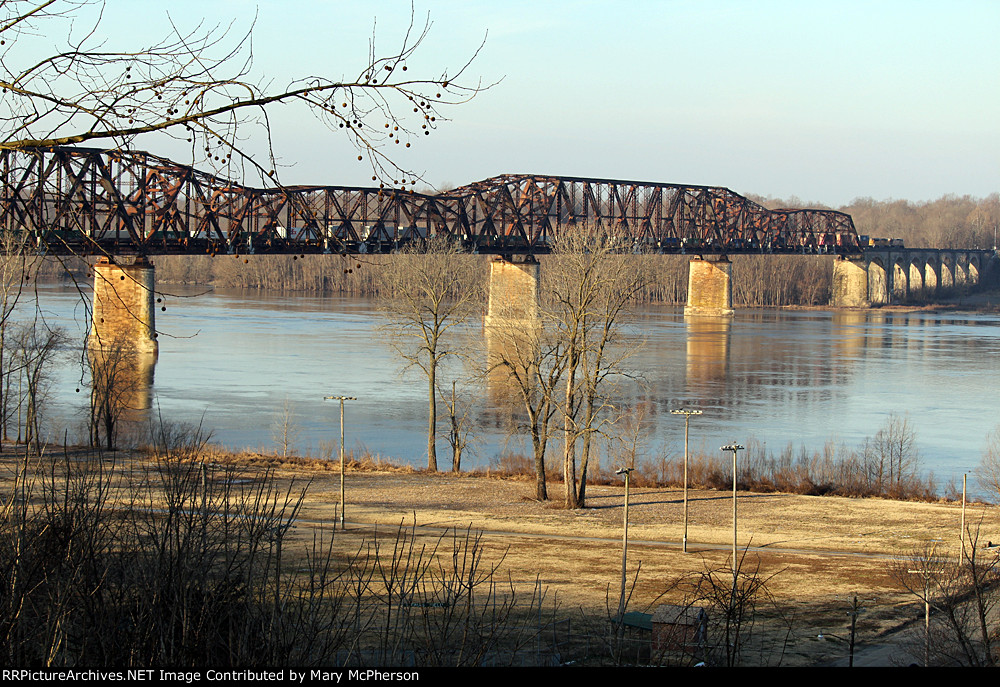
(812,554)
(815,552)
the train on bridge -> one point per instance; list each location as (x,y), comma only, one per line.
(90,201)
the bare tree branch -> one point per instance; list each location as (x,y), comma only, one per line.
(198,86)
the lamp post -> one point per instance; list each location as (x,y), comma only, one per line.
(687,417)
(734,447)
(621,601)
(342,492)
(927,573)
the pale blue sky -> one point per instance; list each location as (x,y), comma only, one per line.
(826,101)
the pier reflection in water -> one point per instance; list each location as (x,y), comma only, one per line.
(121,393)
(779,376)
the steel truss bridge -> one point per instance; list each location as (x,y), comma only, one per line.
(88,201)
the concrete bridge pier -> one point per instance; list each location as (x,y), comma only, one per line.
(513,297)
(124,307)
(513,322)
(710,289)
(850,284)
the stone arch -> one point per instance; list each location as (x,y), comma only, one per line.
(900,279)
(932,277)
(975,272)
(947,271)
(916,279)
(878,282)
(961,277)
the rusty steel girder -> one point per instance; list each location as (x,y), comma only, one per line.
(111,202)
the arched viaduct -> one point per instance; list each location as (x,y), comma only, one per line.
(881,276)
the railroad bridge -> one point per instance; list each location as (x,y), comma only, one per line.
(126,206)
(880,276)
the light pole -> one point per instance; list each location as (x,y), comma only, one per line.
(687,417)
(961,554)
(734,447)
(343,502)
(621,601)
(926,573)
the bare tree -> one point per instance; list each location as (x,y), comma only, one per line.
(197,86)
(114,385)
(891,456)
(960,598)
(15,264)
(590,281)
(284,429)
(429,291)
(459,424)
(530,360)
(35,347)
(988,472)
(732,600)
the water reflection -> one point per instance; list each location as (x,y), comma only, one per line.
(121,392)
(707,353)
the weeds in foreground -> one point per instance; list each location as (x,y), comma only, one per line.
(185,562)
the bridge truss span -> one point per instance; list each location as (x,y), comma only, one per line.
(112,202)
(525,212)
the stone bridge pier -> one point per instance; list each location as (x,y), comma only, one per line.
(124,307)
(512,324)
(513,296)
(513,310)
(710,290)
(897,275)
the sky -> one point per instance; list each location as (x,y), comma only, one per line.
(819,101)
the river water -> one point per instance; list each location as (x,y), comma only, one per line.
(238,362)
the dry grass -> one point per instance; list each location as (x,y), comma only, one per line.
(818,551)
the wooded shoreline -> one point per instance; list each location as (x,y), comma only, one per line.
(758,280)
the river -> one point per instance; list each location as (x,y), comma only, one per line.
(234,361)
